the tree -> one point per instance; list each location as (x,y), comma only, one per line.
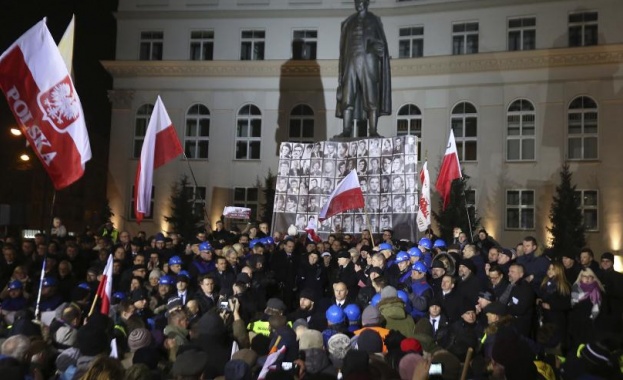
(455,214)
(269,198)
(185,217)
(566,217)
(105,213)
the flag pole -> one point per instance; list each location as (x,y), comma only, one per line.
(37,316)
(192,174)
(469,221)
(93,304)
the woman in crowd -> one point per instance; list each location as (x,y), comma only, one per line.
(586,298)
(555,298)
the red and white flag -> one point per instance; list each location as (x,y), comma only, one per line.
(449,171)
(312,226)
(423,214)
(347,195)
(160,146)
(104,290)
(41,94)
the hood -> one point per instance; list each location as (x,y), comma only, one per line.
(392,308)
(316,360)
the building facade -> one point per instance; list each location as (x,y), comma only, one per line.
(525,85)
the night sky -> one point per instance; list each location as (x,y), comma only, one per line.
(95,36)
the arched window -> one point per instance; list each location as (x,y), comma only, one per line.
(197,137)
(301,124)
(143,114)
(520,131)
(248,133)
(464,123)
(582,129)
(409,122)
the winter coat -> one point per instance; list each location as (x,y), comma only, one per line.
(393,310)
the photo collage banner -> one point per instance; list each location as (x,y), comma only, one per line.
(388,174)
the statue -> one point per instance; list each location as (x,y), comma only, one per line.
(364,77)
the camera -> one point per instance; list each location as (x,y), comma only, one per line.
(436,369)
(289,366)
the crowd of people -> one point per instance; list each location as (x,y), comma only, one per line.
(278,305)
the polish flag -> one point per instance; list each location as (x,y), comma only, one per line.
(312,226)
(423,214)
(41,94)
(104,290)
(346,196)
(160,146)
(449,171)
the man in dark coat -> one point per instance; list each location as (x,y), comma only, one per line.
(521,300)
(469,285)
(346,273)
(284,264)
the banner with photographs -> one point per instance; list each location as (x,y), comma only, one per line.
(387,171)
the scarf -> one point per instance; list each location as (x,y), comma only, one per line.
(590,291)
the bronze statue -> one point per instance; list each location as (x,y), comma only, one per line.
(364,78)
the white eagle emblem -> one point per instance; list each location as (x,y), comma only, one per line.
(61,104)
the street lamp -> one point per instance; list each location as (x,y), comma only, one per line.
(16,132)
(24,157)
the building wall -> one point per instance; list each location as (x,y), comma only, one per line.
(550,77)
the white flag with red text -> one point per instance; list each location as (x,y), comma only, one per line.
(423,214)
(346,196)
(41,94)
(160,146)
(104,290)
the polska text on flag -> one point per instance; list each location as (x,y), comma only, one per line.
(423,214)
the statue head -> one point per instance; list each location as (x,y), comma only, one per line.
(361,3)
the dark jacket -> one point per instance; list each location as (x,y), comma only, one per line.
(521,306)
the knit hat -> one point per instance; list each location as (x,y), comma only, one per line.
(469,264)
(597,355)
(237,370)
(370,341)
(509,253)
(138,294)
(407,365)
(376,270)
(309,294)
(191,362)
(276,303)
(139,338)
(410,345)
(301,322)
(370,316)
(486,295)
(174,303)
(338,346)
(495,308)
(247,355)
(343,255)
(389,292)
(467,306)
(451,365)
(92,341)
(146,355)
(607,256)
(311,339)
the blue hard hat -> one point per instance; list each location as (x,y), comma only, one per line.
(205,246)
(269,240)
(335,314)
(159,236)
(414,252)
(166,280)
(420,267)
(84,285)
(439,243)
(49,281)
(375,299)
(352,312)
(119,295)
(175,260)
(15,284)
(403,296)
(402,256)
(426,243)
(253,242)
(184,273)
(385,246)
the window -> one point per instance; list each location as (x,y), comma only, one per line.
(196,196)
(151,46)
(520,143)
(409,122)
(588,203)
(583,29)
(133,205)
(582,133)
(252,45)
(302,124)
(304,44)
(140,128)
(197,138)
(465,38)
(464,124)
(247,197)
(202,45)
(520,209)
(411,42)
(522,33)
(249,133)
